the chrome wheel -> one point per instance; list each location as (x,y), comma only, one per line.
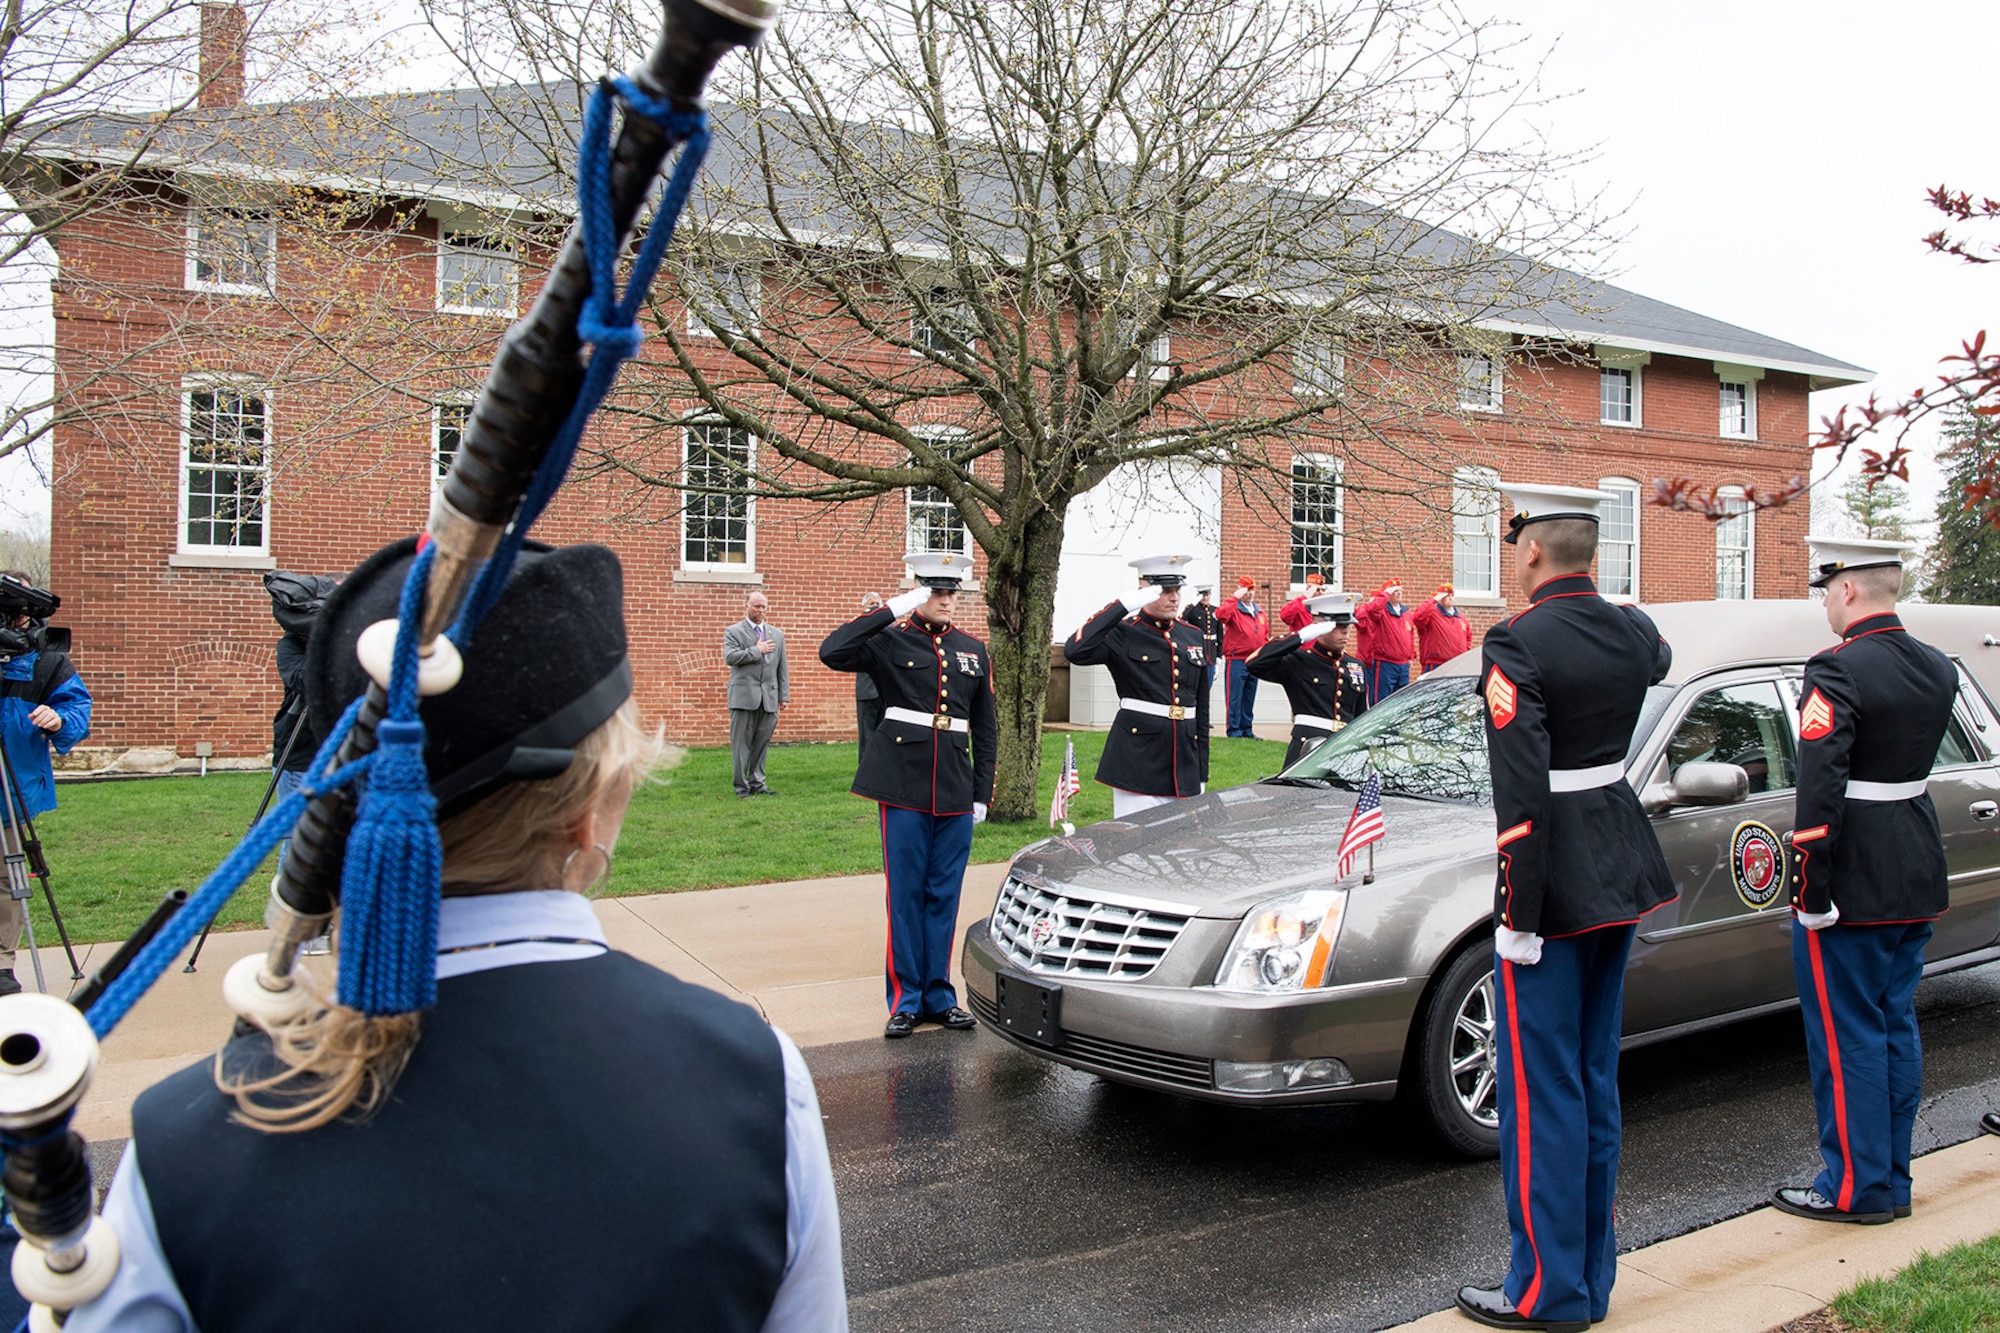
(1475,1055)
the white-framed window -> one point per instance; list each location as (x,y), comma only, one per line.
(477,274)
(232,250)
(1618,539)
(1479,383)
(225,468)
(1316,515)
(948,323)
(725,300)
(1618,395)
(1319,369)
(1735,547)
(719,517)
(932,522)
(1475,532)
(1738,409)
(448,422)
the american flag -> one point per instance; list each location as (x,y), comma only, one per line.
(1364,825)
(1068,785)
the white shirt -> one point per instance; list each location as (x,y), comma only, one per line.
(813,1295)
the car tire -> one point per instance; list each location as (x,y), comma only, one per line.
(1457,1058)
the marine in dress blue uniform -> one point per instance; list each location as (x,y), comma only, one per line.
(1868,880)
(930,767)
(1564,683)
(1327,688)
(1157,749)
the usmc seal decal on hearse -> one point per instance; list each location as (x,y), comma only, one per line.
(1756,864)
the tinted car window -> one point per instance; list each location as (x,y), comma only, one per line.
(1956,747)
(1427,740)
(1746,725)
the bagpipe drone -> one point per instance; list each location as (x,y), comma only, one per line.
(377,854)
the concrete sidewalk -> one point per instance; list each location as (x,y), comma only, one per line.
(808,955)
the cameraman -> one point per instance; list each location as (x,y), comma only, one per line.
(43,702)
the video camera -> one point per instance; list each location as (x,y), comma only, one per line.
(18,597)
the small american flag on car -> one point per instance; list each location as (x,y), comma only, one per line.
(1364,825)
(1067,785)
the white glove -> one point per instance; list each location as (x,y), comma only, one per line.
(1314,630)
(979,812)
(1146,596)
(1517,946)
(1818,920)
(905,602)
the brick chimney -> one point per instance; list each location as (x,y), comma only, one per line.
(222,32)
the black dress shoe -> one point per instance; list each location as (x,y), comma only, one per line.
(900,1025)
(1490,1306)
(1811,1203)
(1902,1210)
(9,986)
(763,791)
(1990,1122)
(954,1018)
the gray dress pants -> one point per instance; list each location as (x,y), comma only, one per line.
(749,738)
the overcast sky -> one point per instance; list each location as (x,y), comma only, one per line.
(1773,155)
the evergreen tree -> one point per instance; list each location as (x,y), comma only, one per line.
(1965,561)
(1879,512)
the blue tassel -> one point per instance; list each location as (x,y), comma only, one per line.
(389,886)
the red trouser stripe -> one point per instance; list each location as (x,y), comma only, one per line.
(1524,1155)
(1846,1199)
(889,911)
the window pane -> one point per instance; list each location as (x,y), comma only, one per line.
(724,300)
(1735,409)
(232,248)
(451,420)
(224,469)
(1318,369)
(1618,540)
(1475,524)
(1745,725)
(948,319)
(1733,541)
(1614,395)
(1478,383)
(1316,519)
(476,273)
(717,518)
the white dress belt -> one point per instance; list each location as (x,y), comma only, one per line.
(1174,711)
(1316,723)
(1885,791)
(934,721)
(1585,779)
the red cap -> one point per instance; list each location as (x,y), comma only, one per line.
(1392,583)
(1316,578)
(1246,582)
(1446,587)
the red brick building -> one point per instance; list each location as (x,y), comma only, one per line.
(272,337)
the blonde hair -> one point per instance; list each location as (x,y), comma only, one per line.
(340,1062)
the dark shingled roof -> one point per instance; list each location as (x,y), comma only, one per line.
(490,148)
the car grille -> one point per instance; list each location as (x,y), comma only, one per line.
(1098,1053)
(1049,933)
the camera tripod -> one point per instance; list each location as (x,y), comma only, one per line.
(21,852)
(270,789)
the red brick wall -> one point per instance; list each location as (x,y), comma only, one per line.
(181,655)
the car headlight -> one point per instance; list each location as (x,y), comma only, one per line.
(1285,944)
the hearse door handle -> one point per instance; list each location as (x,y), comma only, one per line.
(1984,809)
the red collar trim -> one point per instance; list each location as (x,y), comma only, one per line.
(1584,585)
(1854,631)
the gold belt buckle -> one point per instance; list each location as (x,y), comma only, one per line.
(941,721)
(1175,712)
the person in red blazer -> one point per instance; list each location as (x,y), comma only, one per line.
(1444,632)
(1246,627)
(1387,641)
(1294,613)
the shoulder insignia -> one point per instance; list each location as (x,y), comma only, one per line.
(1499,697)
(1816,718)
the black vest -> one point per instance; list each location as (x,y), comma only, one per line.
(574,1145)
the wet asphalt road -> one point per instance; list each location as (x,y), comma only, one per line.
(985,1189)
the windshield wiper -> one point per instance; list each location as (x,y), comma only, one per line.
(1317,784)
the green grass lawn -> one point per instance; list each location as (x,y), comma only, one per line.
(116,847)
(1954,1292)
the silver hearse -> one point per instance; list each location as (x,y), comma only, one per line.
(1177,950)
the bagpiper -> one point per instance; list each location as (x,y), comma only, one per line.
(1868,880)
(929,766)
(1157,750)
(1327,688)
(1564,683)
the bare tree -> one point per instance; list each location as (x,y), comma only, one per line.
(1003,251)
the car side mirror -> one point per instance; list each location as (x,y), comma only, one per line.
(1697,784)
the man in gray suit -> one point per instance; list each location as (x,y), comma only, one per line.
(759,685)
